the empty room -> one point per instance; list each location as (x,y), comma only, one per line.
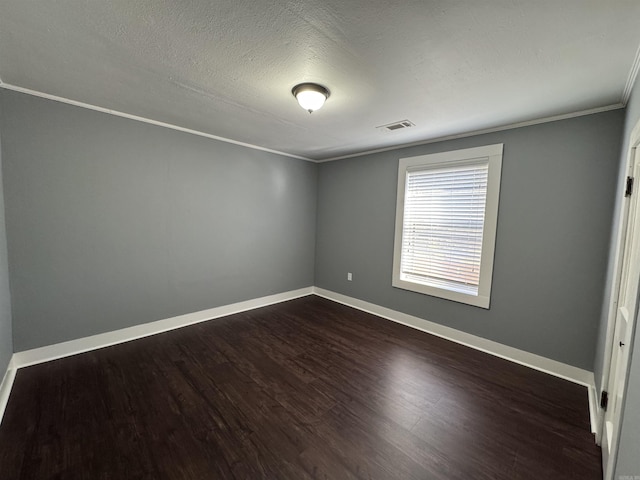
(319,239)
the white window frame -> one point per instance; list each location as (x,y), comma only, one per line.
(491,154)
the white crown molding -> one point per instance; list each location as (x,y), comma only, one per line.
(75,103)
(631,80)
(528,123)
(473,133)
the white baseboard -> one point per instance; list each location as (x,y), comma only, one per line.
(94,342)
(6,385)
(595,414)
(537,362)
(531,360)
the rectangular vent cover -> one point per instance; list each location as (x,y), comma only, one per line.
(396,126)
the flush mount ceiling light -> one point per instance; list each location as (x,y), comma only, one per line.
(310,96)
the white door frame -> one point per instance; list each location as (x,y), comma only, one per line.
(621,233)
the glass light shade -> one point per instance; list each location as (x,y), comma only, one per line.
(310,96)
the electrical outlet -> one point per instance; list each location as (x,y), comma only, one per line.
(349,276)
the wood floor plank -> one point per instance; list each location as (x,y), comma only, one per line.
(306,389)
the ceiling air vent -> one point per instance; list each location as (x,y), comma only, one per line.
(391,127)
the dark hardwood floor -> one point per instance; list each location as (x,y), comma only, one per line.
(304,389)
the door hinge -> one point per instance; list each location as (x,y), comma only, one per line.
(629,189)
(604,400)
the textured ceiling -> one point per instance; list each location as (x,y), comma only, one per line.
(226,67)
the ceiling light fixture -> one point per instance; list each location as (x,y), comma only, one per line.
(310,96)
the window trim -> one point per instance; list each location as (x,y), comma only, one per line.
(457,157)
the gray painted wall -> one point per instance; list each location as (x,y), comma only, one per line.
(628,462)
(557,198)
(6,336)
(113,222)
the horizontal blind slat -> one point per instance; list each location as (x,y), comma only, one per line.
(443,226)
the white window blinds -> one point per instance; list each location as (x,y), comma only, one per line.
(444,214)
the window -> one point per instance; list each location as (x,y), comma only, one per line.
(446,218)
